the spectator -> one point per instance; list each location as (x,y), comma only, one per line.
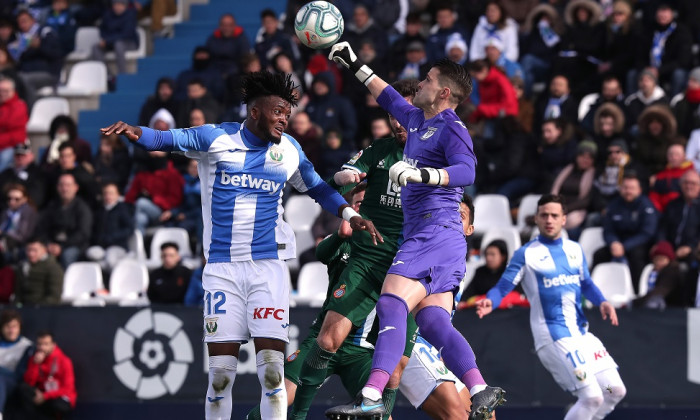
(309,136)
(368,55)
(687,109)
(112,163)
(188,215)
(169,282)
(456,49)
(8,69)
(333,154)
(665,282)
(198,96)
(618,164)
(558,147)
(581,46)
(15,352)
(157,10)
(667,49)
(557,104)
(608,125)
(629,226)
(657,130)
(486,276)
(13,121)
(539,45)
(649,93)
(114,225)
(39,278)
(692,149)
(155,190)
(63,130)
(38,51)
(271,40)
(117,33)
(194,296)
(162,120)
(621,37)
(330,110)
(17,223)
(235,110)
(60,19)
(493,50)
(610,92)
(66,224)
(446,25)
(415,63)
(680,222)
(197,117)
(575,184)
(362,27)
(201,69)
(24,171)
(89,189)
(163,97)
(495,23)
(526,109)
(519,9)
(399,48)
(497,96)
(7,28)
(228,44)
(282,63)
(666,185)
(48,390)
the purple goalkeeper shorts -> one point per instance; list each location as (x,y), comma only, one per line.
(435,255)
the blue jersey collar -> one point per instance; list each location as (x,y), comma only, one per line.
(251,140)
(548,241)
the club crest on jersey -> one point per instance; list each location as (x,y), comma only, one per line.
(211,325)
(339,292)
(580,374)
(276,153)
(428,134)
(293,356)
(380,164)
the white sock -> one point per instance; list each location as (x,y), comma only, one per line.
(613,391)
(589,401)
(371,393)
(273,400)
(222,373)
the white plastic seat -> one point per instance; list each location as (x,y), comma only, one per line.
(169,234)
(128,281)
(472,265)
(585,105)
(591,240)
(644,280)
(528,207)
(300,212)
(81,280)
(137,249)
(312,284)
(492,211)
(85,38)
(139,52)
(615,282)
(509,235)
(86,78)
(44,111)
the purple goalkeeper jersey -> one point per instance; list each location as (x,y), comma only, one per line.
(440,142)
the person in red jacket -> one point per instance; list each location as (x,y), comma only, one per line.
(48,391)
(13,121)
(155,190)
(496,93)
(666,184)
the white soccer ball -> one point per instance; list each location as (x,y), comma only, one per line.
(319,24)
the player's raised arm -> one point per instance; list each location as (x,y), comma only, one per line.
(343,54)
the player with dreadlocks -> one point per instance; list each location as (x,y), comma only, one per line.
(243,169)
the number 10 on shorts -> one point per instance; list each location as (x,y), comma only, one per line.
(578,358)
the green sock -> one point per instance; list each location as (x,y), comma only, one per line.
(389,398)
(313,372)
(254,414)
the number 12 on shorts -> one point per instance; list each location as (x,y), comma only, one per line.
(219,299)
(579,358)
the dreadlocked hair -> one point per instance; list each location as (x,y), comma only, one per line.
(456,77)
(264,83)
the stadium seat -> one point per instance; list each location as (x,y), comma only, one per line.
(492,211)
(139,52)
(509,235)
(644,280)
(591,240)
(304,241)
(528,207)
(85,38)
(472,265)
(615,282)
(137,250)
(81,280)
(86,78)
(169,234)
(585,105)
(300,211)
(128,282)
(312,284)
(44,111)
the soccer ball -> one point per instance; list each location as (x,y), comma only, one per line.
(319,24)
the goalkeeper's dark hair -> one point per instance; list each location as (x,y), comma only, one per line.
(469,202)
(456,77)
(263,83)
(406,87)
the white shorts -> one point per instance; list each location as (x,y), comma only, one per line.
(574,361)
(424,372)
(244,299)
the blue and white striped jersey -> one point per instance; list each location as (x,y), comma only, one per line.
(553,273)
(242,178)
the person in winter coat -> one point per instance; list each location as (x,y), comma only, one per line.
(657,131)
(575,184)
(60,19)
(495,22)
(497,95)
(446,25)
(271,40)
(680,222)
(649,93)
(608,125)
(13,121)
(15,352)
(39,279)
(558,147)
(540,44)
(64,130)
(114,225)
(202,69)
(666,184)
(228,44)
(17,223)
(117,33)
(49,382)
(163,97)
(330,110)
(687,109)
